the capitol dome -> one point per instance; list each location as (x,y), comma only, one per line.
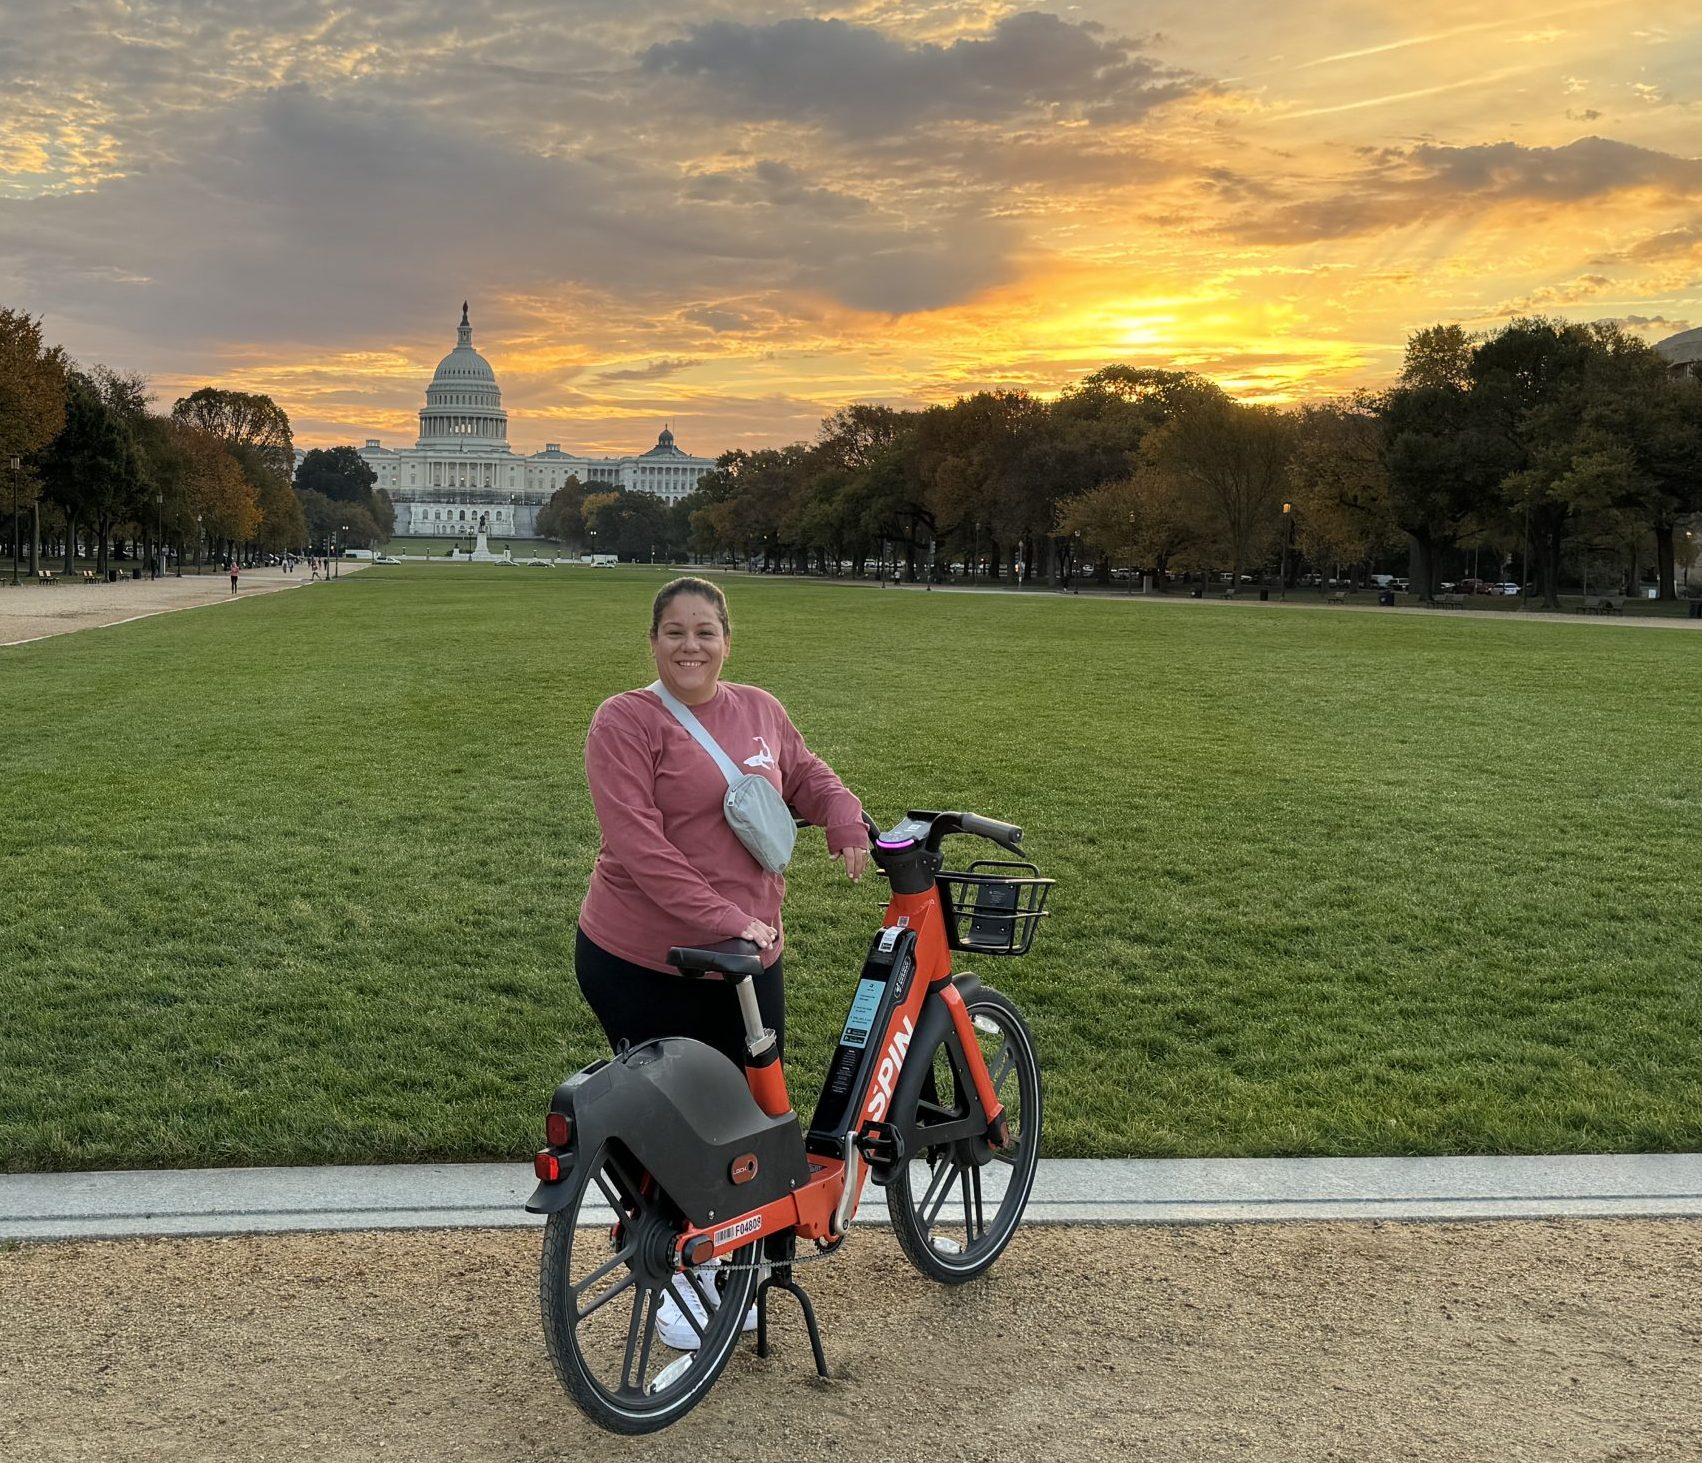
(463,406)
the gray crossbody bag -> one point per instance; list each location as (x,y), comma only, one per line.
(755,811)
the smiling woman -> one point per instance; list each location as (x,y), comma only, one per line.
(670,871)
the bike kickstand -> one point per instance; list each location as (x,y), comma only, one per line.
(778,1282)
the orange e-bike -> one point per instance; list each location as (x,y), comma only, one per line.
(678,1187)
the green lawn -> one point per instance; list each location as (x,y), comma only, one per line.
(294,881)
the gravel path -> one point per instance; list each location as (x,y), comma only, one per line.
(35,611)
(1508,1342)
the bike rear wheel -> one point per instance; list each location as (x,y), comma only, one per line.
(955,1202)
(604,1274)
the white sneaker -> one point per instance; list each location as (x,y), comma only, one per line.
(671,1323)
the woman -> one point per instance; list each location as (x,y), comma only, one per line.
(670,871)
(235,569)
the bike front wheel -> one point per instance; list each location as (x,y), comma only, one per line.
(957,1200)
(604,1282)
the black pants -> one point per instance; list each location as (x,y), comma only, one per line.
(635,1004)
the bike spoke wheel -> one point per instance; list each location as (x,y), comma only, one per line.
(604,1281)
(956,1201)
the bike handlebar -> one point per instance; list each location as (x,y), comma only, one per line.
(930,828)
(1007,834)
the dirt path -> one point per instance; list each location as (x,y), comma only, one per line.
(35,611)
(1505,1342)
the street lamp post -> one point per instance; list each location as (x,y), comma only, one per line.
(16,464)
(159,532)
(1287,542)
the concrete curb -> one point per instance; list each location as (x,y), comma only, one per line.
(116,1205)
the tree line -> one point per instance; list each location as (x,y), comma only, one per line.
(1547,443)
(92,466)
(1541,442)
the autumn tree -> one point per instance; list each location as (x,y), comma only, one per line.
(1106,519)
(32,385)
(1338,483)
(633,524)
(562,518)
(206,494)
(1233,461)
(256,432)
(1568,404)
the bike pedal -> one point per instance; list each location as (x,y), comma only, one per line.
(881,1145)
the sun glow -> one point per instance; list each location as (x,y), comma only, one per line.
(740,229)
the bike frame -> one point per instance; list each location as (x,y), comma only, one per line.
(910,963)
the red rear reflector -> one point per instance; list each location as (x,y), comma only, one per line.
(699,1250)
(557,1129)
(547,1167)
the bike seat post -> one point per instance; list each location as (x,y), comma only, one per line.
(763,1072)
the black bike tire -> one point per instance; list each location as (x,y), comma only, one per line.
(912,1237)
(561,1337)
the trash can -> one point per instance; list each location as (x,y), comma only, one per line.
(1696,609)
(1264,594)
(1386,597)
(112,576)
(135,573)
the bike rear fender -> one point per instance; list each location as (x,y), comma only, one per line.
(686,1115)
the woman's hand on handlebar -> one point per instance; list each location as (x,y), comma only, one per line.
(855,861)
(759,934)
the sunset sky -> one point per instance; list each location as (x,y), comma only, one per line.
(737,217)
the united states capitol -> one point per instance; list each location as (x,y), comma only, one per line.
(462,468)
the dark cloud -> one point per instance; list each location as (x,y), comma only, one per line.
(655,371)
(1587,168)
(290,217)
(1646,322)
(778,184)
(721,321)
(1679,243)
(863,82)
(1401,186)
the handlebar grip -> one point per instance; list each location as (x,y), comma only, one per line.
(1006,833)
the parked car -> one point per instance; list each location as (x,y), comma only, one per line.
(1507,589)
(1478,586)
(1401,584)
(387,559)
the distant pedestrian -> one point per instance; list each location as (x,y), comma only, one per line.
(235,569)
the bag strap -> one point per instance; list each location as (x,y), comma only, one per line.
(683,715)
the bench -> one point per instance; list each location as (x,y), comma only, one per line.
(1610,604)
(1451,601)
(46,576)
(90,576)
(1338,598)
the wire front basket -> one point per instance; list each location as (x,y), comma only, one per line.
(993,907)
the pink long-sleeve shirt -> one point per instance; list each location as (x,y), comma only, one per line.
(669,870)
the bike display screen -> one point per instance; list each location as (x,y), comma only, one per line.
(886,975)
(864,1005)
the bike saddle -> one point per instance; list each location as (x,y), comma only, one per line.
(731,957)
